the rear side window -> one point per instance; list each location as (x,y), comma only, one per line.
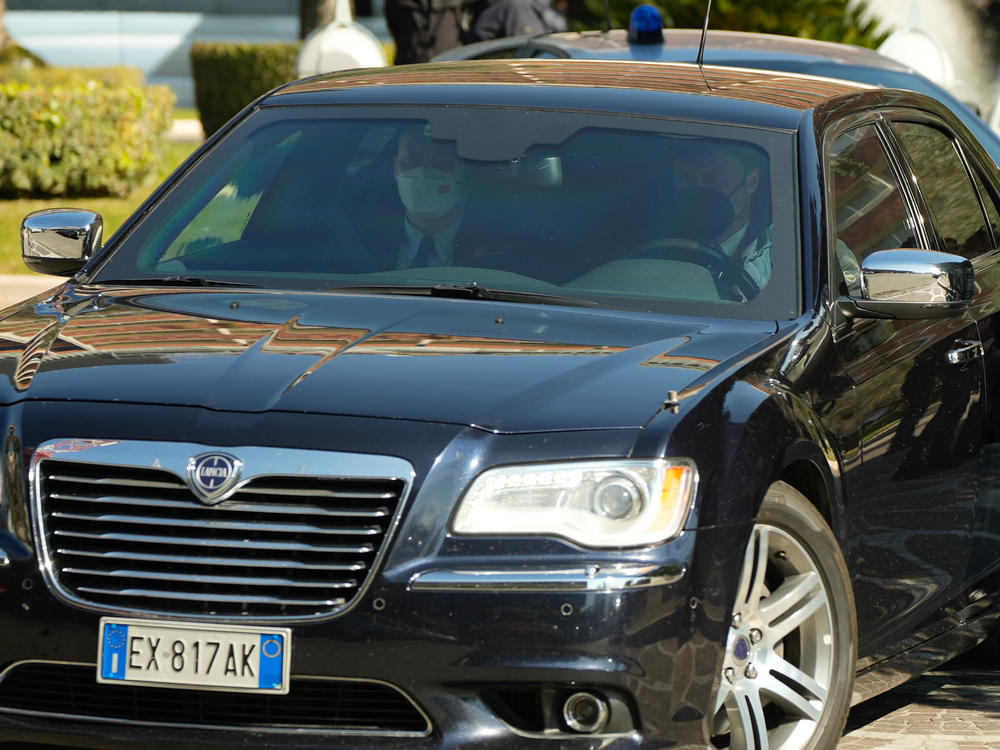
(989,203)
(959,226)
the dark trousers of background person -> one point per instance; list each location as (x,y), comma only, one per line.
(423,28)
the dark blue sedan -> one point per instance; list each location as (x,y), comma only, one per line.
(509,404)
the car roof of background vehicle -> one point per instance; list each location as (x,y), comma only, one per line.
(758,97)
(745,50)
(681,45)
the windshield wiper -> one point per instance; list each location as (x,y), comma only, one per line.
(475,291)
(469,291)
(174,281)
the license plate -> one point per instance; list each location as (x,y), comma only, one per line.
(191,655)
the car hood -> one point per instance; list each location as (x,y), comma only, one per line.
(505,367)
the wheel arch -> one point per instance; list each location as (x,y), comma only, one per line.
(810,463)
(805,457)
(744,436)
(806,476)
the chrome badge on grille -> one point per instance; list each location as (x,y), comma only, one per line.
(212,475)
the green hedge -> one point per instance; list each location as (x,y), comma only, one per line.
(112,75)
(80,139)
(21,57)
(228,76)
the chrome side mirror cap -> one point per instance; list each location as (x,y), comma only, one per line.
(60,241)
(911,284)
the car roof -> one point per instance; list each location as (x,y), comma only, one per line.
(772,98)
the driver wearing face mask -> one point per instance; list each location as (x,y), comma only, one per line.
(743,230)
(430,181)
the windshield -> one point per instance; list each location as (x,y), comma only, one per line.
(633,213)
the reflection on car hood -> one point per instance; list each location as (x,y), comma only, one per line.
(498,366)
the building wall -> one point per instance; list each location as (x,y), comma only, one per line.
(219,7)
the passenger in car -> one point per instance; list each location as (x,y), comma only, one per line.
(430,179)
(431,221)
(417,205)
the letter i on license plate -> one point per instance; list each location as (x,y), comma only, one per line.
(192,655)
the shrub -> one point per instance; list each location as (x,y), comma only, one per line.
(112,75)
(19,56)
(228,76)
(80,138)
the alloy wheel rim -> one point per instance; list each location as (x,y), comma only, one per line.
(779,659)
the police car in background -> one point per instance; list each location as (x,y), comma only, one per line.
(647,41)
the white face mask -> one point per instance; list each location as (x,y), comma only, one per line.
(429,193)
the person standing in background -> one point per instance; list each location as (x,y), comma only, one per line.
(424,28)
(499,18)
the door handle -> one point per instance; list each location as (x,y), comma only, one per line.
(965,351)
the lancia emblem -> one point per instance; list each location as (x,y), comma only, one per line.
(212,475)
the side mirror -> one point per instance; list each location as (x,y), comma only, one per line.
(911,284)
(60,241)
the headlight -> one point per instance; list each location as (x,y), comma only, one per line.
(621,503)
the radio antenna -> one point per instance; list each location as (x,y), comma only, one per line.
(701,47)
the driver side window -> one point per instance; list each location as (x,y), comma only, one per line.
(866,207)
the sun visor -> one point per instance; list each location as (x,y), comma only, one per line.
(491,134)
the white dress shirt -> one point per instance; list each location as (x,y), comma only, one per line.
(756,256)
(444,245)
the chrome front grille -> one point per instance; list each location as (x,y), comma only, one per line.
(298,538)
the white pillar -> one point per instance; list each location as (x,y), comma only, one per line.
(957,29)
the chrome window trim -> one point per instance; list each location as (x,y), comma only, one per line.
(292,730)
(589,578)
(257,461)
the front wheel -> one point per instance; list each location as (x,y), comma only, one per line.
(790,656)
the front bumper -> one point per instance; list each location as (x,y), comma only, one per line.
(487,666)
(483,639)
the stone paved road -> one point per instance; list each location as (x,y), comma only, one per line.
(954,708)
(16,287)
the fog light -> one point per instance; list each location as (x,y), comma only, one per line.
(585,712)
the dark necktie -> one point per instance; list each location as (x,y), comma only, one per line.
(425,251)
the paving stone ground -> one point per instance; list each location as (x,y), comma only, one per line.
(954,708)
(16,287)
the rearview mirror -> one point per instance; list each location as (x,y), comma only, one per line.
(911,284)
(60,241)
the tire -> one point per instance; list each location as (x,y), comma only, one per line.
(789,664)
